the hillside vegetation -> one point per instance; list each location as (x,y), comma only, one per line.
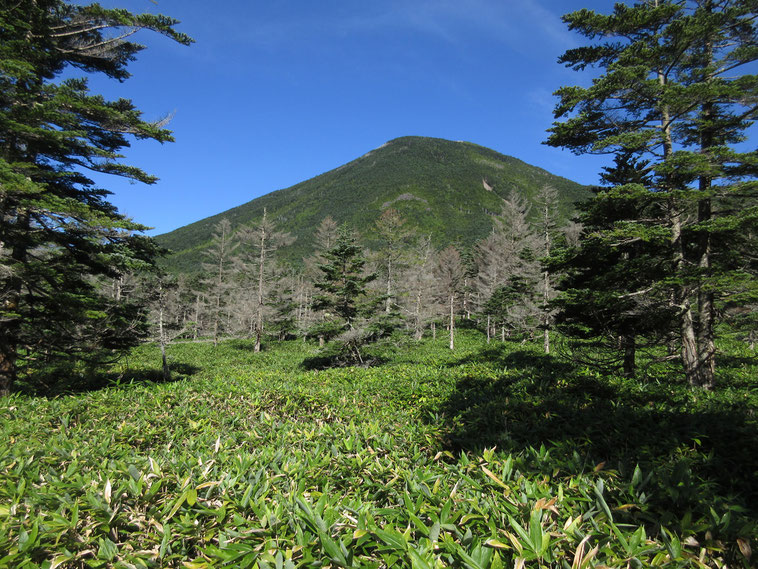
(492,456)
(445,189)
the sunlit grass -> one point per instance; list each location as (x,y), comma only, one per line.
(477,458)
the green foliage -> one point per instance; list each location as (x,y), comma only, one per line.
(59,235)
(672,98)
(342,301)
(250,461)
(437,185)
(343,281)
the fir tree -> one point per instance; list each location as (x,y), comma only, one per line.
(343,290)
(219,270)
(670,91)
(343,282)
(59,235)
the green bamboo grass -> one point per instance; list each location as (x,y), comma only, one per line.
(433,459)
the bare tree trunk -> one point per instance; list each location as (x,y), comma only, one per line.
(546,299)
(549,197)
(688,350)
(706,345)
(452,322)
(307,312)
(466,310)
(118,284)
(488,328)
(418,330)
(197,316)
(216,318)
(162,340)
(388,307)
(300,304)
(434,330)
(259,311)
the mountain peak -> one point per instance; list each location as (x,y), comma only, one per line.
(445,189)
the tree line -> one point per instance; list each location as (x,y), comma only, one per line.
(348,293)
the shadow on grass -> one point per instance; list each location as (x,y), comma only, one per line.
(326,361)
(71,383)
(699,446)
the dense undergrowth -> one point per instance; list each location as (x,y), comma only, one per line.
(490,456)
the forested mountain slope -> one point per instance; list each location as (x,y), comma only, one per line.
(444,189)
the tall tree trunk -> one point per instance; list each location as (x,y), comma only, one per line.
(706,344)
(10,296)
(688,337)
(197,316)
(162,339)
(118,285)
(488,328)
(546,322)
(466,310)
(216,318)
(681,296)
(546,279)
(300,304)
(388,307)
(452,321)
(418,330)
(261,263)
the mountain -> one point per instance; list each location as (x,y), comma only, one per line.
(446,189)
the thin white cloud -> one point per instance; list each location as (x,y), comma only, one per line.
(517,24)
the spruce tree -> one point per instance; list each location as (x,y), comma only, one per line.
(671,91)
(59,234)
(342,297)
(343,281)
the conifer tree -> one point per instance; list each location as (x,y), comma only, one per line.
(343,282)
(261,242)
(672,91)
(605,303)
(448,275)
(219,269)
(343,294)
(506,261)
(394,236)
(547,202)
(59,234)
(419,287)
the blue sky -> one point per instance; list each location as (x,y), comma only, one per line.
(276,92)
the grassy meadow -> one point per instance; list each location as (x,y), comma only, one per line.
(490,456)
